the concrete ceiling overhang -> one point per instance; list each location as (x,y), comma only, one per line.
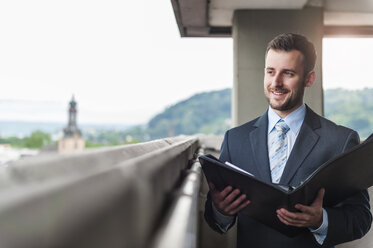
(213,18)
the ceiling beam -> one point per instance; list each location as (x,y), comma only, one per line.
(348,31)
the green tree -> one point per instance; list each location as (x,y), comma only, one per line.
(13,141)
(37,140)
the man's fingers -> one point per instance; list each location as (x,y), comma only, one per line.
(228,201)
(232,196)
(314,206)
(305,209)
(310,216)
(289,222)
(226,191)
(225,197)
(236,203)
(283,220)
(321,193)
(288,214)
(319,198)
(295,219)
(220,196)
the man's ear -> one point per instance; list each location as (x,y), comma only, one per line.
(310,79)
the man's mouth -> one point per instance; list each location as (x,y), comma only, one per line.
(279,92)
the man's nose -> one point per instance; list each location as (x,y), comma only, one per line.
(277,80)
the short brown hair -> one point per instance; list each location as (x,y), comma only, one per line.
(288,42)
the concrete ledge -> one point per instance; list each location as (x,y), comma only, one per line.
(180,228)
(105,198)
(39,168)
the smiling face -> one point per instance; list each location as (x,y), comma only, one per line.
(284,80)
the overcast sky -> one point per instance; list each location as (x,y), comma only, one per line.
(124,60)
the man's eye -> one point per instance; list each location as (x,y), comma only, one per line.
(270,72)
(289,73)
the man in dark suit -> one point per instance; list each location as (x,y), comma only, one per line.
(285,145)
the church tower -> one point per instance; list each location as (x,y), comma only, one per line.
(72,140)
(72,128)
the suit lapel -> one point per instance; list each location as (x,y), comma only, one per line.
(306,140)
(258,141)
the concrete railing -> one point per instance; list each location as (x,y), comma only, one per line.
(112,197)
(180,228)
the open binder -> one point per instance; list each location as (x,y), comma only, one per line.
(341,177)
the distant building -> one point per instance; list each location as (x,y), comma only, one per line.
(72,140)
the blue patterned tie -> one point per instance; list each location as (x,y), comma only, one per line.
(277,150)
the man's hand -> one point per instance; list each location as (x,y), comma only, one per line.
(310,216)
(226,202)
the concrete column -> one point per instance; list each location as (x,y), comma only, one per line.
(252,30)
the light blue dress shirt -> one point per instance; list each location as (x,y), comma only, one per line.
(294,120)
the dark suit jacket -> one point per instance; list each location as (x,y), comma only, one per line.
(318,141)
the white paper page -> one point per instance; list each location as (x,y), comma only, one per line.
(238,168)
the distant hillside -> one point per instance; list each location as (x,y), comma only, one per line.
(351,108)
(207,113)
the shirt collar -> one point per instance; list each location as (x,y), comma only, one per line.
(294,120)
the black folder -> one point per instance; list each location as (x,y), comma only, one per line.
(341,177)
